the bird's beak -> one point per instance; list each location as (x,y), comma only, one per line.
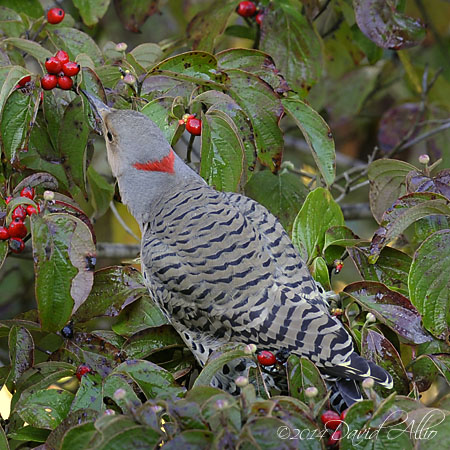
(98,107)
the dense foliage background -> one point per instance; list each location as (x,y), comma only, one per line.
(369,78)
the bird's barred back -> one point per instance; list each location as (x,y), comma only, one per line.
(224,270)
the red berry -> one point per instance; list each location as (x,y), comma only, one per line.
(334,438)
(82,370)
(24,81)
(8,199)
(48,82)
(331,419)
(259,18)
(246,9)
(17,229)
(65,83)
(19,213)
(32,210)
(62,56)
(4,233)
(55,15)
(53,65)
(27,192)
(16,245)
(266,358)
(344,413)
(194,126)
(70,68)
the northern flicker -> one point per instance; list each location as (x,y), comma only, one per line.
(220,265)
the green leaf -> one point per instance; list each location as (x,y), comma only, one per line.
(33,8)
(32,48)
(73,138)
(196,67)
(147,54)
(387,184)
(404,212)
(28,433)
(293,43)
(319,271)
(21,352)
(152,379)
(378,349)
(91,11)
(195,439)
(89,394)
(18,113)
(62,249)
(134,13)
(228,109)
(118,381)
(319,212)
(210,23)
(317,135)
(10,22)
(383,24)
(114,288)
(222,152)
(146,342)
(256,62)
(9,77)
(160,111)
(390,308)
(302,373)
(46,408)
(282,194)
(264,110)
(102,191)
(392,267)
(74,42)
(3,439)
(429,283)
(346,96)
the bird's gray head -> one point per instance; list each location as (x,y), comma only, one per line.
(140,157)
(133,141)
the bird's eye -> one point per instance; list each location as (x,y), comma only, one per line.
(109,136)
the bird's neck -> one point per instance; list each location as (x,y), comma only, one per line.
(143,190)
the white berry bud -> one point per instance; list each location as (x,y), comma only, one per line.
(49,196)
(250,349)
(109,412)
(371,318)
(424,159)
(129,79)
(311,392)
(121,47)
(241,381)
(368,383)
(120,394)
(221,403)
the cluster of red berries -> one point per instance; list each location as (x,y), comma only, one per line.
(332,420)
(55,15)
(60,72)
(82,369)
(249,9)
(193,125)
(17,229)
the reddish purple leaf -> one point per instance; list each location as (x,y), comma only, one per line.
(390,308)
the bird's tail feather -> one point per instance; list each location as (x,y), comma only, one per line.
(359,368)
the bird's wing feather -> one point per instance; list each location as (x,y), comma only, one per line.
(224,262)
